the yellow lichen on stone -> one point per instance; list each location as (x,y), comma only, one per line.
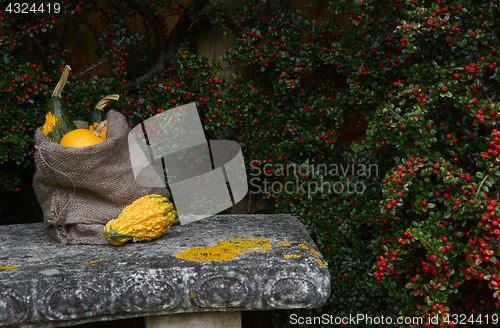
(320,262)
(225,250)
(92,262)
(291,256)
(213,253)
(304,246)
(315,253)
(8,267)
(246,245)
(284,243)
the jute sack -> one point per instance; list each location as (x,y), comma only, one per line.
(81,189)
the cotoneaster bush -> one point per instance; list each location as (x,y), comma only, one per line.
(419,79)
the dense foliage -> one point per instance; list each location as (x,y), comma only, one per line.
(407,219)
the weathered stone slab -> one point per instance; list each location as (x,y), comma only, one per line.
(56,286)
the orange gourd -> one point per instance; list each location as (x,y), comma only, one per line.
(82,137)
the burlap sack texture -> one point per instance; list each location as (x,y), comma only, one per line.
(81,189)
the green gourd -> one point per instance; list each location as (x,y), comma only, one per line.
(97,115)
(57,119)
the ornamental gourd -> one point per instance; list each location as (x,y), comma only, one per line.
(79,138)
(147,218)
(57,120)
(98,115)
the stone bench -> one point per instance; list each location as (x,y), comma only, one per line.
(275,265)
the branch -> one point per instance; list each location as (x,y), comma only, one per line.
(480,186)
(401,117)
(164,52)
(351,133)
(328,68)
(425,242)
(96,5)
(149,15)
(182,27)
(321,126)
(96,35)
(327,198)
(230,18)
(88,69)
(199,26)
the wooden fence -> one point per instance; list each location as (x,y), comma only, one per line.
(209,43)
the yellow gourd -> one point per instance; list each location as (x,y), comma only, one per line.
(79,138)
(147,218)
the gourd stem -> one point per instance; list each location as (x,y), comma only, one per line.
(104,101)
(62,82)
(97,131)
(114,235)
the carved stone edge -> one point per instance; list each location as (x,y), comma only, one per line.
(60,299)
(307,287)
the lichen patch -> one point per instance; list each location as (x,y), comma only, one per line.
(8,267)
(320,263)
(304,246)
(225,250)
(284,243)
